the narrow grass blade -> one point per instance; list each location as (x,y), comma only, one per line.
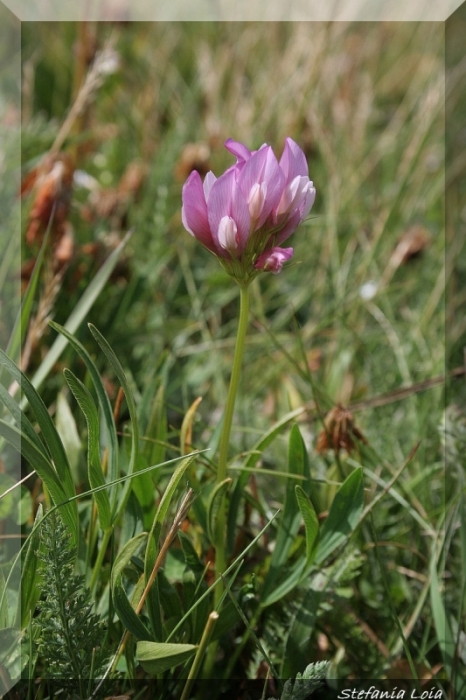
(443,628)
(48,430)
(46,472)
(95,473)
(213,506)
(79,313)
(112,358)
(21,420)
(22,320)
(104,403)
(30,591)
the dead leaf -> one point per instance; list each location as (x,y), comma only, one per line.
(340,431)
(51,182)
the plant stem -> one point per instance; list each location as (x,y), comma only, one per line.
(193,673)
(220,556)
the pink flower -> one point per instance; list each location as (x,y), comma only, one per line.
(272,260)
(255,205)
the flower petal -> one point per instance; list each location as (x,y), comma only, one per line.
(228,234)
(272,260)
(308,200)
(226,199)
(241,215)
(238,149)
(194,211)
(262,168)
(273,176)
(293,161)
(219,203)
(208,182)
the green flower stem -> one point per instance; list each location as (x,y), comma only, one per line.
(220,557)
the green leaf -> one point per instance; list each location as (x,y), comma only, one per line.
(95,473)
(190,554)
(30,591)
(169,599)
(127,615)
(162,513)
(157,657)
(46,472)
(129,550)
(21,420)
(48,430)
(311,522)
(104,403)
(123,607)
(228,618)
(157,429)
(280,590)
(4,611)
(143,489)
(68,432)
(153,598)
(343,516)
(442,624)
(79,312)
(22,320)
(112,358)
(213,506)
(291,516)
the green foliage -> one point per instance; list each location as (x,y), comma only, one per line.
(306,682)
(48,457)
(343,517)
(95,472)
(70,638)
(157,657)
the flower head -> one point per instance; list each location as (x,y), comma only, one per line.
(244,215)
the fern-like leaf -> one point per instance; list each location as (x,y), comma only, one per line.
(305,683)
(70,634)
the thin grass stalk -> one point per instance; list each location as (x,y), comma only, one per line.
(203,644)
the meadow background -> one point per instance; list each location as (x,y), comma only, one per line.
(358,318)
